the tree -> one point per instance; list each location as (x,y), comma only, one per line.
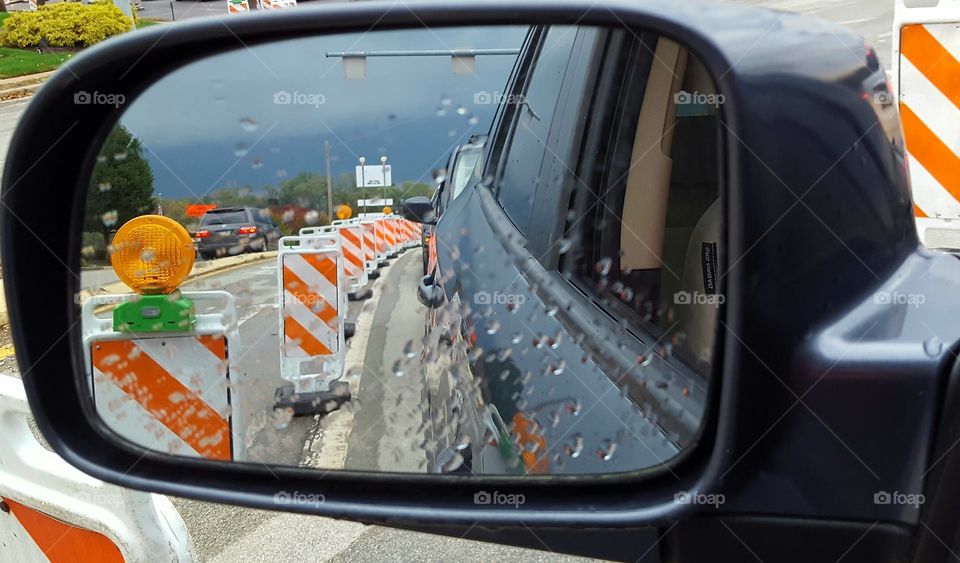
(121,186)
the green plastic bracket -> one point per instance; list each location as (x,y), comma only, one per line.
(155,313)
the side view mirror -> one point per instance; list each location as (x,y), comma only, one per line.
(603,352)
(419,210)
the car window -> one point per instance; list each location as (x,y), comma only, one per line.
(651,239)
(464,169)
(527,148)
(223,217)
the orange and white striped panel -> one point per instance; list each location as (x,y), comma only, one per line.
(28,535)
(351,243)
(389,236)
(166,393)
(311,322)
(930,111)
(369,241)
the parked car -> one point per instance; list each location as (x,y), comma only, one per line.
(644,253)
(233,230)
(460,168)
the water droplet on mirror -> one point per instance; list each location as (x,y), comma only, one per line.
(574,450)
(603,265)
(493,327)
(933,346)
(119,155)
(240,149)
(104,186)
(409,350)
(148,255)
(110,218)
(446,101)
(452,133)
(282,418)
(473,120)
(516,338)
(398,369)
(257,164)
(606,453)
(248,124)
(312,217)
(441,111)
(564,245)
(461,110)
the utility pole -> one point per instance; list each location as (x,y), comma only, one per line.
(326,156)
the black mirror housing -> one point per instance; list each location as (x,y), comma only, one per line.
(419,210)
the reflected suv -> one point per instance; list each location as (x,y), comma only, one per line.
(228,231)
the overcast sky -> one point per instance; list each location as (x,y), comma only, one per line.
(217,122)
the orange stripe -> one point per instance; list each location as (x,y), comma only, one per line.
(917,212)
(216,344)
(352,238)
(176,406)
(62,542)
(313,301)
(326,266)
(296,331)
(922,49)
(930,152)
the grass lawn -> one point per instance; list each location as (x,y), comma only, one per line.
(17,62)
(140,24)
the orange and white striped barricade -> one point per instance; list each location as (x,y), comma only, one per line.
(389,237)
(354,257)
(926,64)
(369,229)
(277,4)
(172,392)
(55,512)
(313,310)
(238,6)
(352,246)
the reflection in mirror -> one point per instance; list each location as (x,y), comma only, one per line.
(256,290)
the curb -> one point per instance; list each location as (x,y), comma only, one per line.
(200,270)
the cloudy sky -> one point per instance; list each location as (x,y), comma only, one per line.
(224,120)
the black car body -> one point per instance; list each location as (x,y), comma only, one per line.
(233,230)
(528,414)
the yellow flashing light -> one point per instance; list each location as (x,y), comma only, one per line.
(152,254)
(343,211)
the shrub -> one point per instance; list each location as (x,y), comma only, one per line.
(65,24)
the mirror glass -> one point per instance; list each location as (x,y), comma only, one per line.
(256,288)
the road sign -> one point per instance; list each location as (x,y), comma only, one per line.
(198,209)
(380,202)
(374,176)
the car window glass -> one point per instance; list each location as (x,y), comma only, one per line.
(653,249)
(534,114)
(224,218)
(464,170)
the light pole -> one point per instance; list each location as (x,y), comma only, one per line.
(383,170)
(363,180)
